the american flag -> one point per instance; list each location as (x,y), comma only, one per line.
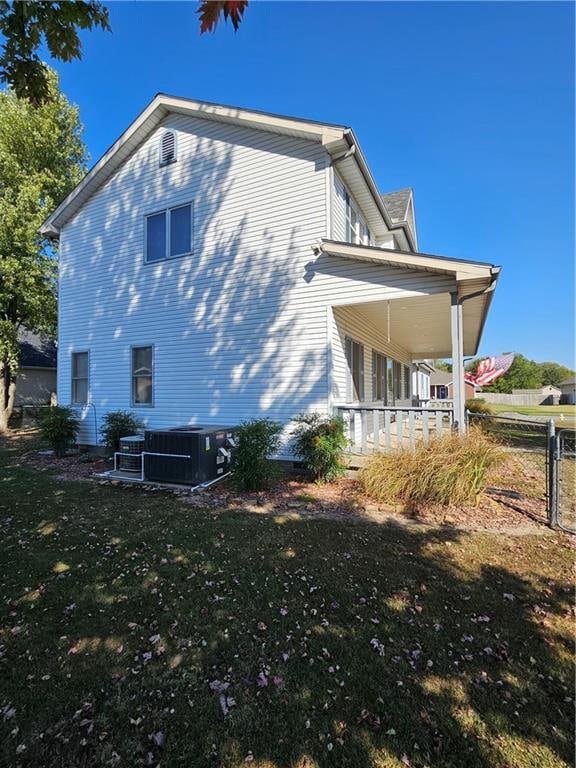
(490,369)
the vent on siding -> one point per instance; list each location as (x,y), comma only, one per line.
(167,148)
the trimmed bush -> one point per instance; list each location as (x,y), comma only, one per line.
(478,405)
(252,470)
(119,424)
(449,470)
(320,442)
(59,428)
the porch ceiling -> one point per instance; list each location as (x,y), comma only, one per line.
(421,324)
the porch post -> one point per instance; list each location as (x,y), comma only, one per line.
(457,362)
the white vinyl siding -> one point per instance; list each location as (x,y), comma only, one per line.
(238,331)
(241,328)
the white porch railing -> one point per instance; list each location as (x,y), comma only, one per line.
(372,427)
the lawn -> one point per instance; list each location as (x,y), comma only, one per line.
(551,411)
(139,630)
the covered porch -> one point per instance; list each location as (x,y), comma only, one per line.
(428,307)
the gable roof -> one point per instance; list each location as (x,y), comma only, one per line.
(440,378)
(397,203)
(338,140)
(36,351)
(570,382)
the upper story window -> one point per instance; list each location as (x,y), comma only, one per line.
(80,368)
(357,230)
(167,148)
(169,233)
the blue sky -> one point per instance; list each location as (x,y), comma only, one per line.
(471,104)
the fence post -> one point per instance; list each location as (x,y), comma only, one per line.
(552,475)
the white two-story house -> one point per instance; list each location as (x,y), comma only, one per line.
(220,264)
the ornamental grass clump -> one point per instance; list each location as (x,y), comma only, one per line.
(320,442)
(449,470)
(252,469)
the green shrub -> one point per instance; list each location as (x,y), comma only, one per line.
(118,424)
(478,405)
(448,470)
(320,442)
(59,428)
(252,470)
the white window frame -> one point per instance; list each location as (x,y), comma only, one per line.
(383,378)
(80,378)
(152,376)
(168,213)
(359,233)
(351,394)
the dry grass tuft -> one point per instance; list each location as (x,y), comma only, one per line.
(448,470)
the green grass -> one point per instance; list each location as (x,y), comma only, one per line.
(343,644)
(552,411)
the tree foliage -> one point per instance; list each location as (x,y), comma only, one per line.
(210,12)
(25,25)
(42,158)
(554,373)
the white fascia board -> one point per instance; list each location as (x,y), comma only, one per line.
(461,270)
(147,120)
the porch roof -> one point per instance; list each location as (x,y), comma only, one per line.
(422,324)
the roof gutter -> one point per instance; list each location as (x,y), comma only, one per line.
(352,142)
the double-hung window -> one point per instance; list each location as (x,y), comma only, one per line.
(142,376)
(80,375)
(355,360)
(407,388)
(379,384)
(169,233)
(357,231)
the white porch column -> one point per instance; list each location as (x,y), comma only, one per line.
(458,362)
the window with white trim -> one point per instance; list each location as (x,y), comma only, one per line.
(142,375)
(379,376)
(357,230)
(167,148)
(80,376)
(169,233)
(355,360)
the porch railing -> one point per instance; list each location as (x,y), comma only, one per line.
(372,427)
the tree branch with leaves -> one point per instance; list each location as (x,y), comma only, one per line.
(42,158)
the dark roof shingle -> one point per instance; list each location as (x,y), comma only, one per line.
(396,203)
(36,351)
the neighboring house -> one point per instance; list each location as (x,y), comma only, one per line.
(219,264)
(36,377)
(439,381)
(568,391)
(442,386)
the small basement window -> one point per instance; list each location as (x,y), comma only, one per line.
(168,148)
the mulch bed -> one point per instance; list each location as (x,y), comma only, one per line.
(503,507)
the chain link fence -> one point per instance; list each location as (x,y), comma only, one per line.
(522,481)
